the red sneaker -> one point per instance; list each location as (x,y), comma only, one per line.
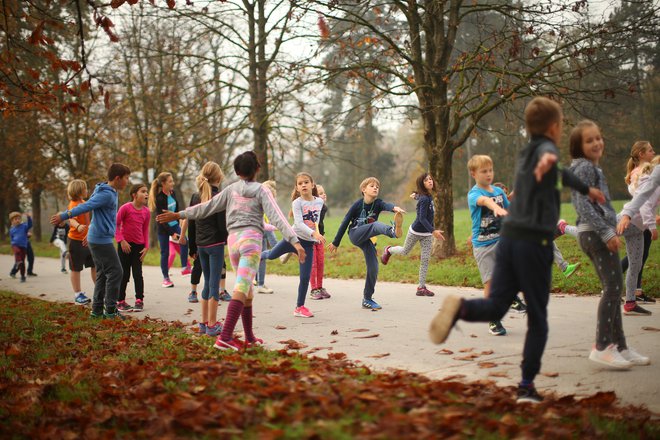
(385,258)
(227,345)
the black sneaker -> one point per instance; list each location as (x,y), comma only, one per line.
(635,309)
(496,328)
(644,299)
(518,306)
(31,274)
(528,394)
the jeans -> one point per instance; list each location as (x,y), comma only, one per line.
(269,241)
(361,237)
(284,247)
(211,259)
(164,242)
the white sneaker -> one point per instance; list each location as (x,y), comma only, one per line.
(284,258)
(635,358)
(610,357)
(264,289)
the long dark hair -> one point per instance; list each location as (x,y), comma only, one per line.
(421,189)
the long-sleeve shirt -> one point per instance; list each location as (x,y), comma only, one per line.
(208,231)
(133,224)
(306,216)
(645,217)
(591,215)
(360,214)
(245,203)
(18,235)
(425,210)
(534,212)
(103,203)
(644,192)
(164,203)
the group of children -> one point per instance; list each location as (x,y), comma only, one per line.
(512,240)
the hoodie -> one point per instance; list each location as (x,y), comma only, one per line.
(103,203)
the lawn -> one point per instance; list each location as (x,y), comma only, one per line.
(459,270)
(64,375)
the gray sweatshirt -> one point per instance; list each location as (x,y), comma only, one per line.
(245,204)
(306,216)
(643,193)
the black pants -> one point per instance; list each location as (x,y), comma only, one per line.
(520,266)
(645,255)
(131,261)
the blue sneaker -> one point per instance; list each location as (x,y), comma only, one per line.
(225,296)
(115,315)
(192,297)
(82,300)
(214,330)
(202,328)
(370,304)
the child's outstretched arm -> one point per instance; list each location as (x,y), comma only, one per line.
(97,200)
(353,211)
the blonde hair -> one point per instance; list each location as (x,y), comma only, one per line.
(647,168)
(367,181)
(479,161)
(14,214)
(75,189)
(295,194)
(637,149)
(211,173)
(156,187)
(272,186)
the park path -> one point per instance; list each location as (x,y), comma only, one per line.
(396,337)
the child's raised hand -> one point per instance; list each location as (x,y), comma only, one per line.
(301,252)
(125,247)
(167,216)
(332,248)
(623,224)
(596,195)
(56,219)
(544,165)
(397,209)
(438,234)
(613,244)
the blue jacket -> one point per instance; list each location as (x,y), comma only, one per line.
(18,234)
(425,210)
(103,203)
(361,214)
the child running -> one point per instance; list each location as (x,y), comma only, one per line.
(132,236)
(306,208)
(318,263)
(362,223)
(18,237)
(58,239)
(524,252)
(422,230)
(245,202)
(597,237)
(103,204)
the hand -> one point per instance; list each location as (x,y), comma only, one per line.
(125,247)
(332,248)
(500,212)
(183,240)
(167,216)
(56,219)
(397,209)
(654,234)
(613,244)
(318,237)
(657,219)
(544,164)
(413,195)
(623,224)
(301,252)
(596,195)
(438,234)
(175,237)
(81,228)
(143,253)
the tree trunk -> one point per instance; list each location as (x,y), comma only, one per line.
(440,169)
(36,214)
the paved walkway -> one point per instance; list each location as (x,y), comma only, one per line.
(396,337)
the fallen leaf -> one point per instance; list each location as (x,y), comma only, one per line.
(378,356)
(280,327)
(42,295)
(444,351)
(498,374)
(375,335)
(651,329)
(334,341)
(467,357)
(357,330)
(334,332)
(466,350)
(550,374)
(473,336)
(487,352)
(453,376)
(487,364)
(293,345)
(13,350)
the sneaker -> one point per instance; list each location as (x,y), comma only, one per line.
(214,330)
(518,306)
(167,283)
(256,343)
(370,304)
(31,274)
(610,357)
(12,274)
(325,293)
(632,308)
(225,296)
(423,291)
(264,289)
(192,297)
(23,279)
(302,312)
(385,258)
(81,299)
(123,306)
(445,319)
(115,315)
(570,269)
(561,226)
(202,328)
(139,305)
(186,271)
(633,357)
(398,222)
(227,345)
(528,394)
(316,294)
(64,271)
(642,298)
(496,328)
(95,315)
(284,258)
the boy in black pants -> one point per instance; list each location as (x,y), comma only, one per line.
(524,256)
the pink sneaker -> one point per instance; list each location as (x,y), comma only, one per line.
(302,312)
(227,345)
(186,271)
(258,342)
(167,283)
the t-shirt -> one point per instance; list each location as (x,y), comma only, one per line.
(171,206)
(485,226)
(133,224)
(83,219)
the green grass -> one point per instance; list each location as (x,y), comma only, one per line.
(459,270)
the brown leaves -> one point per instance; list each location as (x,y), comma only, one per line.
(324,29)
(293,345)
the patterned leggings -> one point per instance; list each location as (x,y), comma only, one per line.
(635,250)
(426,242)
(244,255)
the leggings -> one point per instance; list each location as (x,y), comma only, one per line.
(244,255)
(426,242)
(645,255)
(318,264)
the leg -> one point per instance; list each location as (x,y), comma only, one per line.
(174,249)
(281,248)
(363,233)
(371,261)
(411,240)
(98,300)
(558,257)
(426,244)
(125,261)
(216,260)
(647,245)
(314,276)
(75,281)
(261,274)
(30,258)
(305,271)
(203,257)
(164,242)
(110,269)
(136,266)
(635,253)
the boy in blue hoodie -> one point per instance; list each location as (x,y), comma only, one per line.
(101,233)
(18,235)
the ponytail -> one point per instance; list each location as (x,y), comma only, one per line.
(638,148)
(156,187)
(210,174)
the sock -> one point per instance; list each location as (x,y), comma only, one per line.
(246,317)
(234,311)
(527,383)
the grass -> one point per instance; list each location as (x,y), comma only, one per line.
(459,270)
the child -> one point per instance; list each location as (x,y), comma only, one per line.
(161,199)
(524,252)
(269,241)
(58,239)
(18,235)
(132,236)
(79,255)
(306,208)
(361,220)
(641,223)
(208,237)
(421,230)
(196,271)
(318,262)
(245,202)
(597,236)
(103,204)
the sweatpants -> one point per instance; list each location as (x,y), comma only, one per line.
(426,242)
(558,257)
(108,277)
(361,237)
(131,262)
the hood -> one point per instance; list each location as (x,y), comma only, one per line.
(248,189)
(103,186)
